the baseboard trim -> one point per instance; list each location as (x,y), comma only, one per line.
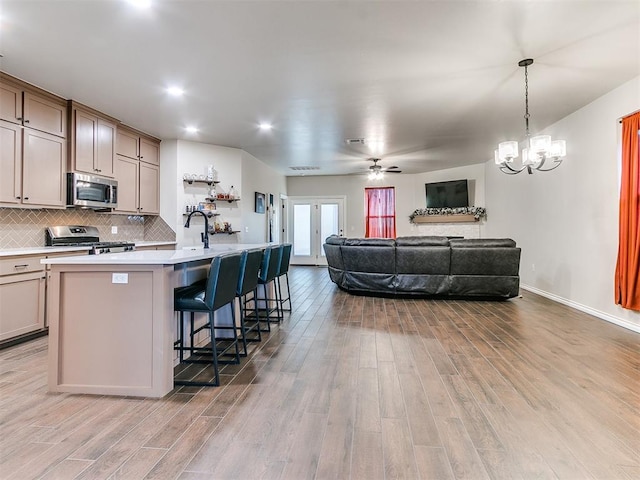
(583,308)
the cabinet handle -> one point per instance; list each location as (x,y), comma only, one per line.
(24,265)
(19,119)
(18,198)
(26,121)
(26,198)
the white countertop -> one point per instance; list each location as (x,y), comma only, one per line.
(12,252)
(154,257)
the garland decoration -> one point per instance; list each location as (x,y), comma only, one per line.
(477,212)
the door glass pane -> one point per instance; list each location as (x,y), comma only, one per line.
(302,229)
(328,222)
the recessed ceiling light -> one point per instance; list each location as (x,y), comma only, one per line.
(265,126)
(140,3)
(175,91)
(191,129)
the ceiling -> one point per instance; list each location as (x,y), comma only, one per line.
(428,84)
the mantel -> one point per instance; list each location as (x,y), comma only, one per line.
(445,218)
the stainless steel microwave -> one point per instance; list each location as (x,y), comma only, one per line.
(91,191)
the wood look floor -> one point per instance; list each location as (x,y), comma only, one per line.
(354,387)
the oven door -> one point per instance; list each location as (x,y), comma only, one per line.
(91,191)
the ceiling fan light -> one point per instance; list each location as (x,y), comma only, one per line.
(507,151)
(558,149)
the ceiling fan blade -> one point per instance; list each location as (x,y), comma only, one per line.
(393,171)
(392,168)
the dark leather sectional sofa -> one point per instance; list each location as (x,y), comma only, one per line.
(425,266)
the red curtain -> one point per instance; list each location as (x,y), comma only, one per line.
(380,212)
(627,286)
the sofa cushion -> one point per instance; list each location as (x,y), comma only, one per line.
(370,242)
(482,242)
(423,260)
(334,240)
(422,241)
(485,261)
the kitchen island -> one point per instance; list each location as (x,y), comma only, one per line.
(111,319)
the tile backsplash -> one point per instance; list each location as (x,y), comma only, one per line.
(24,228)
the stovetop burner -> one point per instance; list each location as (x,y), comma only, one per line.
(83,236)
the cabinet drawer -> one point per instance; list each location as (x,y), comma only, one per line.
(10,266)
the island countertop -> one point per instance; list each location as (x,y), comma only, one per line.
(154,257)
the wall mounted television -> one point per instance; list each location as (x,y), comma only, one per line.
(451,194)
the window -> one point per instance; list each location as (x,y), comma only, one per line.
(380,212)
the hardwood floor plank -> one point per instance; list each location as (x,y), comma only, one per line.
(367,460)
(184,449)
(421,422)
(433,463)
(391,402)
(397,450)
(368,404)
(138,465)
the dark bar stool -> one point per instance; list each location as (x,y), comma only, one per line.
(268,273)
(248,283)
(218,290)
(284,271)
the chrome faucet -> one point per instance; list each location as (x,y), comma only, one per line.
(204,235)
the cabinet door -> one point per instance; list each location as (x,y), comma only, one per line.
(149,189)
(84,141)
(127,144)
(126,173)
(149,151)
(43,168)
(10,103)
(106,147)
(10,162)
(21,304)
(45,115)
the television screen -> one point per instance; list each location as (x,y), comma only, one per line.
(452,194)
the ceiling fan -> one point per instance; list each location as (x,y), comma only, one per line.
(375,170)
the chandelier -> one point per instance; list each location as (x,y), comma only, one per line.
(539,150)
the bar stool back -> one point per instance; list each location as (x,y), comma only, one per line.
(248,283)
(207,297)
(268,273)
(284,271)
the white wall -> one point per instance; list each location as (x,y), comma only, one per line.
(178,157)
(566,221)
(258,177)
(410,195)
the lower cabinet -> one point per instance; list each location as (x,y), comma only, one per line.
(138,186)
(22,297)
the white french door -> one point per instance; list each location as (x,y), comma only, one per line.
(311,220)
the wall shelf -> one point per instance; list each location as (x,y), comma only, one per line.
(446,218)
(221,233)
(217,199)
(208,182)
(208,214)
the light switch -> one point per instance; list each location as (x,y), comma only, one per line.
(119,278)
(114,230)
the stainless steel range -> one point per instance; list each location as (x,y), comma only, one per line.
(80,235)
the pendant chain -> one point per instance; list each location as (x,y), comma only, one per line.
(526,100)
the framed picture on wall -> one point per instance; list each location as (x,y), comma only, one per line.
(260,202)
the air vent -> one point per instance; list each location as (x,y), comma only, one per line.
(354,141)
(304,168)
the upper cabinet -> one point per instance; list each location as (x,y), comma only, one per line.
(33,126)
(92,142)
(138,172)
(138,146)
(37,110)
